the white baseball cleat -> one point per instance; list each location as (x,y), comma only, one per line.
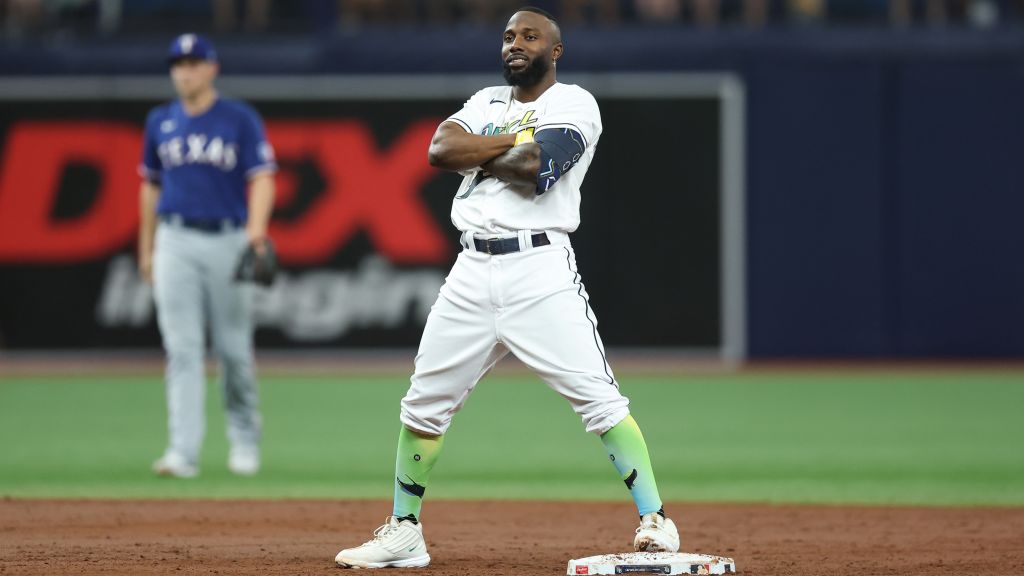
(396,544)
(175,465)
(656,534)
(244,460)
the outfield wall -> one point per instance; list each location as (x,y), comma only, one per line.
(883,191)
(361,221)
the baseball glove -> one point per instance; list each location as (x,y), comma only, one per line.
(256,267)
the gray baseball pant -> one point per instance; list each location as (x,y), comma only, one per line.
(194,289)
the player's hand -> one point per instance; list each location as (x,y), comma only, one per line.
(146,267)
(258,262)
(257,239)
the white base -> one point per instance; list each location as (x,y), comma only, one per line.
(651,563)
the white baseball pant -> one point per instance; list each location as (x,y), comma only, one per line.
(531,303)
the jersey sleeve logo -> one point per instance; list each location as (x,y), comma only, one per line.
(266,152)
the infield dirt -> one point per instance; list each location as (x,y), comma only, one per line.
(496,538)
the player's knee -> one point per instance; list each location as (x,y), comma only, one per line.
(183,360)
(601,421)
(181,339)
(423,422)
(235,359)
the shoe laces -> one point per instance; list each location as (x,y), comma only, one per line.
(382,533)
(651,524)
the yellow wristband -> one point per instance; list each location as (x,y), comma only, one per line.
(524,136)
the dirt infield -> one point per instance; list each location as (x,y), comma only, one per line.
(496,538)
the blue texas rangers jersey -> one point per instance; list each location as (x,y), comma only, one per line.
(203,163)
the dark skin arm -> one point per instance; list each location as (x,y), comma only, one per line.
(452,148)
(517,166)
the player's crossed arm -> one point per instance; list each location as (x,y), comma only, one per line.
(519,164)
(540,160)
(537,162)
(453,148)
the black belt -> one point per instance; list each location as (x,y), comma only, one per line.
(495,246)
(203,225)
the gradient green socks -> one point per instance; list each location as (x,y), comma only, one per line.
(625,444)
(416,458)
(628,451)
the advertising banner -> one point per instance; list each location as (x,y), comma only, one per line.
(361,221)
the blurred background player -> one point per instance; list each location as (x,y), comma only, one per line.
(202,154)
(524,150)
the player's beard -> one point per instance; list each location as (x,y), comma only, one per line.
(528,76)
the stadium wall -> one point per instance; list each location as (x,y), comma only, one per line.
(882,188)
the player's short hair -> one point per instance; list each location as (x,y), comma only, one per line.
(546,14)
(540,11)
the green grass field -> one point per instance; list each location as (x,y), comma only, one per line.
(933,438)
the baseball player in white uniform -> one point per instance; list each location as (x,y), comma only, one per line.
(523,150)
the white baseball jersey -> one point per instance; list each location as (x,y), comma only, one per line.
(529,300)
(489,205)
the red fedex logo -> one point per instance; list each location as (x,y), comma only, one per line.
(366,189)
(33,158)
